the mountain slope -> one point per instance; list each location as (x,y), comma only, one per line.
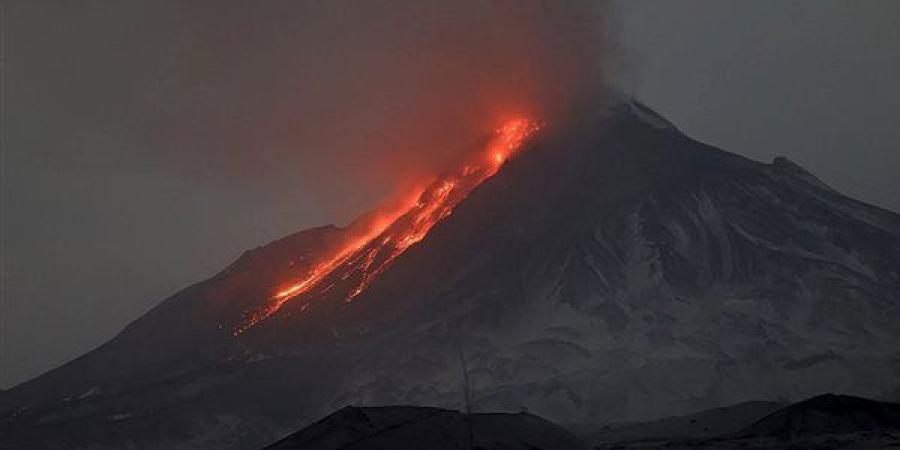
(708,424)
(614,270)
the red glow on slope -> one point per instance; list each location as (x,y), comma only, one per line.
(366,255)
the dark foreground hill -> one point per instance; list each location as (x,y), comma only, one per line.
(828,414)
(404,427)
(822,422)
(613,270)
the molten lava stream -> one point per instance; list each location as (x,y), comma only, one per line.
(364,257)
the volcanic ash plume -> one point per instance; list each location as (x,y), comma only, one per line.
(350,98)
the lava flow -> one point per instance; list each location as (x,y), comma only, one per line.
(364,257)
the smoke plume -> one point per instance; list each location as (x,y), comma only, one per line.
(358,97)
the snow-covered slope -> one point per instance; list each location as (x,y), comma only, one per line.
(615,270)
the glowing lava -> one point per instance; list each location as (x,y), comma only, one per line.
(356,264)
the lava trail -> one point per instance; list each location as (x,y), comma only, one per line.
(357,263)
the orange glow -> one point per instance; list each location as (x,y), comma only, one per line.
(370,252)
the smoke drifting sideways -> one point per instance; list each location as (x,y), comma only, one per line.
(356,97)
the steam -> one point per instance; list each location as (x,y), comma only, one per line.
(360,97)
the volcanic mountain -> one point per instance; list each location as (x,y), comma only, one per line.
(602,269)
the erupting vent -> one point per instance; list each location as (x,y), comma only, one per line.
(360,260)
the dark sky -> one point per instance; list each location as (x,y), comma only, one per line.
(147,144)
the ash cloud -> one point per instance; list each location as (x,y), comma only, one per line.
(356,97)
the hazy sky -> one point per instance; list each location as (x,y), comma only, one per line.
(146,145)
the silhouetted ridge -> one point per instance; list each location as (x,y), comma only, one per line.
(405,427)
(827,414)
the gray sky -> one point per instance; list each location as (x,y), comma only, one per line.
(147,145)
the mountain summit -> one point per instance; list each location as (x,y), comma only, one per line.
(613,269)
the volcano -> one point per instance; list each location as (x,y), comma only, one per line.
(607,268)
